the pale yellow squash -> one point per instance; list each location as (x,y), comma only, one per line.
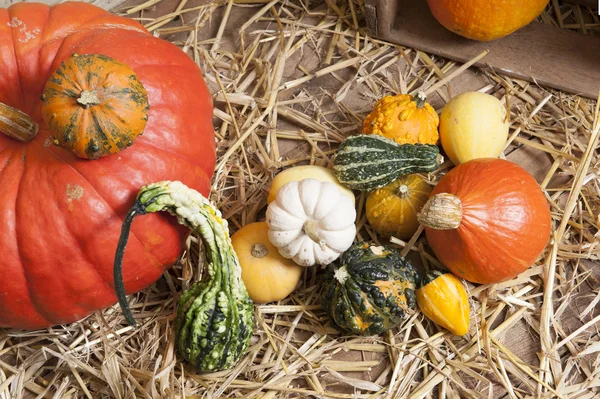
(392,210)
(473,125)
(443,299)
(298,173)
(267,275)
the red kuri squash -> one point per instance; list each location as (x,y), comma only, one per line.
(60,214)
(487,220)
(485,20)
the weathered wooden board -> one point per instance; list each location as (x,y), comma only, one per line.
(588,3)
(540,53)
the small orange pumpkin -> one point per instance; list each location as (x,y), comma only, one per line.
(487,220)
(94,106)
(404,119)
(392,210)
(485,20)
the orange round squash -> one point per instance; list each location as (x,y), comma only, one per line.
(392,210)
(404,119)
(487,220)
(99,115)
(485,20)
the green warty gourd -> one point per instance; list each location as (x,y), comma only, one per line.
(215,316)
(369,289)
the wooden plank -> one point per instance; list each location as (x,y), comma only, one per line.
(541,53)
(593,4)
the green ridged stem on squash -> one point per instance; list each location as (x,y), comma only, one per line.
(215,315)
(369,289)
(367,162)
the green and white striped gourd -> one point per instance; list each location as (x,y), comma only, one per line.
(366,162)
(215,317)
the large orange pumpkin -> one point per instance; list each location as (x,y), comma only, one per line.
(60,214)
(487,220)
(485,20)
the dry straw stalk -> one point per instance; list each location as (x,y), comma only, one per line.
(290,80)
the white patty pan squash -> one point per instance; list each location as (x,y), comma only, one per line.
(311,222)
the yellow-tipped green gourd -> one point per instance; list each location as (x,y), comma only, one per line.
(443,299)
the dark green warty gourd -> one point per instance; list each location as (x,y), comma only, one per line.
(369,289)
(215,317)
(366,162)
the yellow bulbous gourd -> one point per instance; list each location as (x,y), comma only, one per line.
(267,275)
(298,173)
(392,210)
(473,125)
(443,300)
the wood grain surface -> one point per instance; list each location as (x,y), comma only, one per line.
(539,53)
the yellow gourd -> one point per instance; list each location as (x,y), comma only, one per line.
(298,173)
(443,300)
(267,275)
(473,125)
(404,119)
(392,210)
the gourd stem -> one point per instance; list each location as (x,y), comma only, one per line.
(259,251)
(402,191)
(310,229)
(88,98)
(341,275)
(17,124)
(441,212)
(137,209)
(420,99)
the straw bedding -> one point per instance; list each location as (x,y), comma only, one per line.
(290,80)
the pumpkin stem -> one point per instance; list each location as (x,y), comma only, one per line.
(137,209)
(402,191)
(420,99)
(17,124)
(88,98)
(310,229)
(259,251)
(441,212)
(341,275)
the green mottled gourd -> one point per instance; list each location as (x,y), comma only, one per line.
(369,289)
(215,317)
(367,162)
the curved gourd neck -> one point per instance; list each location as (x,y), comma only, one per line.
(217,251)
